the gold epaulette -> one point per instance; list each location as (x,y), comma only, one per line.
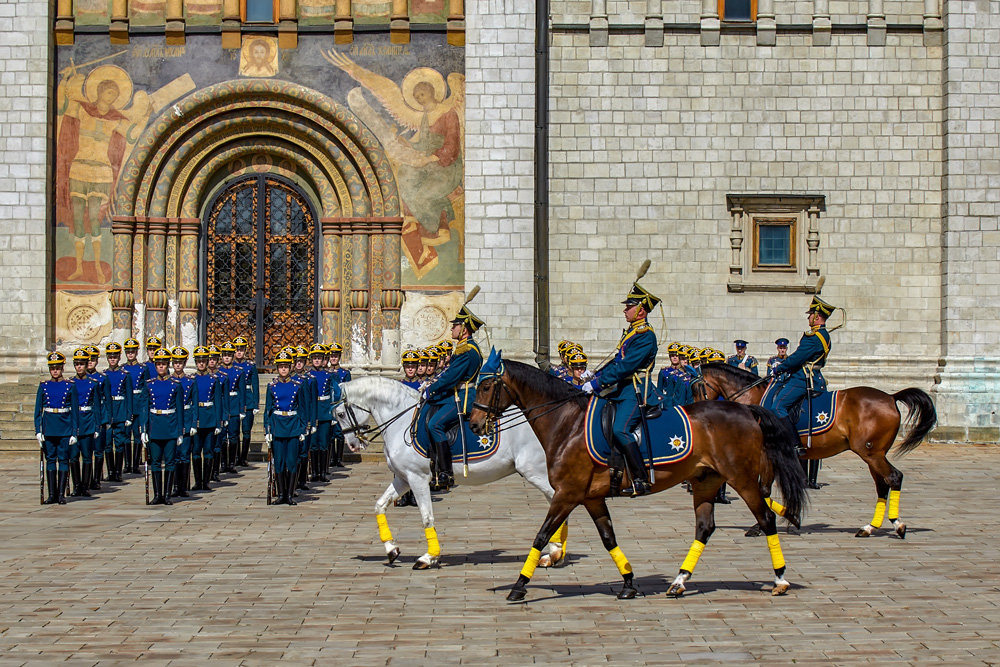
(809,333)
(643,328)
(463,346)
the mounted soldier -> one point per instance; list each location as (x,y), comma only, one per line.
(445,392)
(627,380)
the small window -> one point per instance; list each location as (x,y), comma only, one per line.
(738,10)
(259,11)
(774,244)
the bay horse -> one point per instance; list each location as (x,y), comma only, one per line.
(867,423)
(391,404)
(730,443)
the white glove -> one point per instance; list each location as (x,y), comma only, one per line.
(144,438)
(424,395)
(302,438)
(180,439)
(225,424)
(41,439)
(218,430)
(72,440)
(256,410)
(97,434)
(193,431)
(242,415)
(588,387)
(128,422)
(268,438)
(312,430)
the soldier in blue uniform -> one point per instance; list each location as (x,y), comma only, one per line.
(89,395)
(308,402)
(121,410)
(411,360)
(153,343)
(341,375)
(577,368)
(104,417)
(741,359)
(284,425)
(139,376)
(182,461)
(235,407)
(207,418)
(214,357)
(327,395)
(801,371)
(445,350)
(782,353)
(687,356)
(56,426)
(432,362)
(252,378)
(162,426)
(561,370)
(627,381)
(443,394)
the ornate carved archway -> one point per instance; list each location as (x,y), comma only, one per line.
(262,126)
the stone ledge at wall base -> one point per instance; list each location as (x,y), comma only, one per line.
(967,398)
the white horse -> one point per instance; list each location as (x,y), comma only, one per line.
(387,400)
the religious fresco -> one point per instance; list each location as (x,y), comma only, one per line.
(408,97)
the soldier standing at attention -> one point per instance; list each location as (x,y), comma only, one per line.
(284,425)
(327,394)
(207,418)
(121,410)
(252,377)
(162,426)
(56,426)
(104,417)
(214,356)
(234,408)
(139,377)
(308,407)
(782,347)
(627,379)
(341,375)
(88,392)
(182,462)
(741,359)
(152,345)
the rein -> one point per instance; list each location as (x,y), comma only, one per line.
(364,432)
(739,393)
(493,411)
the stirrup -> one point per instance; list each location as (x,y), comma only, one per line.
(640,487)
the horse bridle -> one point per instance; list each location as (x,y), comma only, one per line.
(702,381)
(494,411)
(362,432)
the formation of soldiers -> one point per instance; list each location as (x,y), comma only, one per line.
(174,424)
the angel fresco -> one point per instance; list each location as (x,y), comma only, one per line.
(425,142)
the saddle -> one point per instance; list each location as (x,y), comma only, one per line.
(616,463)
(452,432)
(795,410)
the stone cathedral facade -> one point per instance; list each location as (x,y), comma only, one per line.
(343,169)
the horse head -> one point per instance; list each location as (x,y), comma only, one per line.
(346,415)
(492,396)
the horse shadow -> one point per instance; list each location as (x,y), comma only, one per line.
(481,557)
(648,586)
(826,528)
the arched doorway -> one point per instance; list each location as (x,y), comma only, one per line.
(260,275)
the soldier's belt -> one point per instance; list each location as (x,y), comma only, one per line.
(137,391)
(206,404)
(163,412)
(86,408)
(117,398)
(57,410)
(234,393)
(323,398)
(286,413)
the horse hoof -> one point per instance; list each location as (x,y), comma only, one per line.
(516,594)
(421,565)
(675,591)
(545,561)
(901,531)
(627,593)
(753,532)
(393,555)
(862,533)
(780,589)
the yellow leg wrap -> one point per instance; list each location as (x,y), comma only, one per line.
(879,513)
(775,506)
(433,546)
(562,535)
(893,505)
(531,563)
(384,533)
(694,553)
(621,561)
(774,546)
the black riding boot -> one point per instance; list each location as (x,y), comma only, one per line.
(95,479)
(169,484)
(157,477)
(441,474)
(721,497)
(183,478)
(289,487)
(74,474)
(61,487)
(244,452)
(303,475)
(88,475)
(318,467)
(812,474)
(135,458)
(215,467)
(338,451)
(50,479)
(197,465)
(637,470)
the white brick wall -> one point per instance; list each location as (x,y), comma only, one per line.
(24,264)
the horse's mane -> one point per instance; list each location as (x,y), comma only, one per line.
(544,383)
(366,388)
(738,375)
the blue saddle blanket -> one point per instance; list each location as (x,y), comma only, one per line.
(823,413)
(478,446)
(669,435)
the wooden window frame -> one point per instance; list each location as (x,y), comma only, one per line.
(274,13)
(753,12)
(792,222)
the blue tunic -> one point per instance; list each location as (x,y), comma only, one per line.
(190,400)
(626,377)
(327,393)
(234,399)
(164,416)
(88,393)
(749,363)
(251,378)
(208,412)
(120,395)
(464,368)
(791,378)
(283,409)
(56,409)
(139,379)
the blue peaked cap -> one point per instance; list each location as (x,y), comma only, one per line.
(492,367)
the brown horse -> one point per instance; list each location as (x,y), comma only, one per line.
(730,443)
(867,423)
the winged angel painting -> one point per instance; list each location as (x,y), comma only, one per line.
(424,137)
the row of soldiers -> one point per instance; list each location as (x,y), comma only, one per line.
(198,423)
(423,365)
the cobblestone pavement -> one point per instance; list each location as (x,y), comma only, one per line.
(225,577)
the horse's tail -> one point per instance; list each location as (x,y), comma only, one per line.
(922,417)
(781,447)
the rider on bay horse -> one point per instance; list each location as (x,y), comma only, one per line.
(444,393)
(801,370)
(627,378)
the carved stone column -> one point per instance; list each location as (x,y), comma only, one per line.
(876,23)
(456,22)
(139,277)
(399,22)
(933,25)
(392,294)
(653,25)
(822,25)
(156,293)
(736,247)
(122,228)
(118,30)
(599,23)
(65,22)
(330,297)
(766,25)
(357,342)
(288,24)
(812,241)
(170,281)
(343,23)
(188,297)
